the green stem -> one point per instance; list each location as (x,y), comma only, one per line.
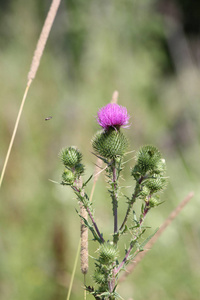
(115,200)
(114,196)
(74,270)
(95,225)
(146,210)
(116,271)
(130,205)
(78,193)
(133,199)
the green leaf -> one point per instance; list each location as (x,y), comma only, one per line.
(106,294)
(85,183)
(96,238)
(124,230)
(142,208)
(141,248)
(102,158)
(135,217)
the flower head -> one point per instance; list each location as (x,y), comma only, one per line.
(113,115)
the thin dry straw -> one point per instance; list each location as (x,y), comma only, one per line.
(43,38)
(32,72)
(84,236)
(150,244)
(84,245)
(84,240)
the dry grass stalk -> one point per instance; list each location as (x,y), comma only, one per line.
(84,236)
(84,241)
(32,72)
(115,97)
(150,244)
(43,39)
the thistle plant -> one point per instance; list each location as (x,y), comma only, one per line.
(110,145)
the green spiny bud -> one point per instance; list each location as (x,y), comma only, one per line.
(107,253)
(110,143)
(79,169)
(136,172)
(160,167)
(144,192)
(154,201)
(70,157)
(155,184)
(68,177)
(118,159)
(147,158)
(99,277)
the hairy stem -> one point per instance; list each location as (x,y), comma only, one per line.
(133,199)
(111,284)
(146,210)
(78,191)
(114,196)
(95,225)
(116,271)
(115,204)
(130,205)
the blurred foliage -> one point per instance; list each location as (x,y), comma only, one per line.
(149,52)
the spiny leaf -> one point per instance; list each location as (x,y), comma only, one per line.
(147,239)
(86,182)
(96,238)
(100,157)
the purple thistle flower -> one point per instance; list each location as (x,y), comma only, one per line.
(113,115)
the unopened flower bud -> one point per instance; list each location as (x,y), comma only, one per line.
(155,184)
(68,177)
(110,143)
(79,168)
(153,202)
(107,253)
(70,157)
(148,158)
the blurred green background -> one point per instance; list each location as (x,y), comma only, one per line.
(150,52)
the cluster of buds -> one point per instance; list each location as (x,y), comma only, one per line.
(149,174)
(71,158)
(108,254)
(110,145)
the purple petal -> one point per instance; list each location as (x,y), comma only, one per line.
(113,115)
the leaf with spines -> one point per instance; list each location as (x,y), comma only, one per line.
(141,248)
(86,223)
(86,182)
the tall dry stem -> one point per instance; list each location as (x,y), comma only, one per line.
(32,72)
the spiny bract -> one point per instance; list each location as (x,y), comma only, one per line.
(110,143)
(107,253)
(70,157)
